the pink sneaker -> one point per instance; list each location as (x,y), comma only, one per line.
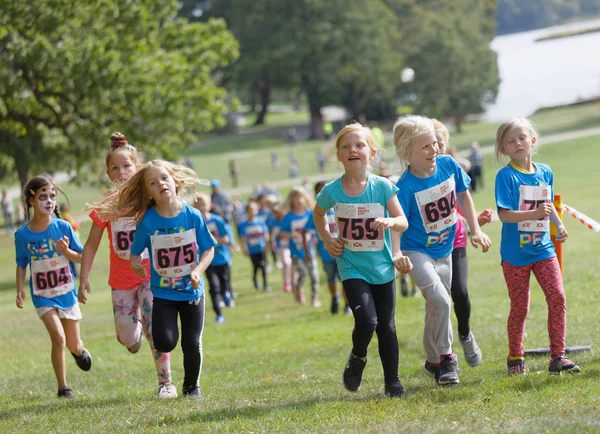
(316,302)
(287,287)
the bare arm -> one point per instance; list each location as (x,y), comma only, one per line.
(511,216)
(335,246)
(205,260)
(397,222)
(137,266)
(20,284)
(477,235)
(89,253)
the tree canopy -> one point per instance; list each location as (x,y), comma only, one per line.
(73,71)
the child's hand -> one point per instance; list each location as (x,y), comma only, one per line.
(381,223)
(544,210)
(336,247)
(62,245)
(485,217)
(562,235)
(479,238)
(84,285)
(195,278)
(138,268)
(402,263)
(20,298)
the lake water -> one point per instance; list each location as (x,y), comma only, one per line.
(548,73)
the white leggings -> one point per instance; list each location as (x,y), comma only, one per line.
(433,277)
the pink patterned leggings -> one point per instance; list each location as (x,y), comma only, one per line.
(548,275)
(133,316)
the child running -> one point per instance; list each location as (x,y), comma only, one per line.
(282,247)
(131,295)
(218,271)
(460,265)
(292,228)
(365,206)
(181,248)
(255,236)
(524,196)
(329,263)
(429,189)
(49,246)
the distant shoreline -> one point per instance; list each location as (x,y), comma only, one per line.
(568,33)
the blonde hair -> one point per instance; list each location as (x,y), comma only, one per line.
(356,127)
(118,143)
(407,129)
(299,191)
(439,127)
(508,127)
(133,198)
(201,196)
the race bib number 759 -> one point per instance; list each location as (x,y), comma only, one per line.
(355,226)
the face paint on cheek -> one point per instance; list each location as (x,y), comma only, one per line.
(46,203)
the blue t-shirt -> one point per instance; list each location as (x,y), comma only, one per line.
(253,232)
(294,224)
(430,205)
(523,247)
(51,282)
(218,228)
(374,266)
(311,228)
(172,257)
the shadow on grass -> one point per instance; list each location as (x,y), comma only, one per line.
(8,284)
(36,405)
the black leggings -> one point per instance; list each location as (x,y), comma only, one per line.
(165,333)
(458,289)
(218,282)
(373,308)
(259,262)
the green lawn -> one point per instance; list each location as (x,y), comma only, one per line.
(274,366)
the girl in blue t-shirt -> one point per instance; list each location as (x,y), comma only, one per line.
(255,236)
(49,246)
(428,191)
(524,196)
(365,208)
(181,248)
(292,229)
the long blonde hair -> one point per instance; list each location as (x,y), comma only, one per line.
(133,198)
(299,191)
(508,127)
(407,129)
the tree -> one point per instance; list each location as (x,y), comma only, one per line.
(456,72)
(73,71)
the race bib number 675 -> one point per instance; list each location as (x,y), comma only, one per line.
(355,226)
(175,255)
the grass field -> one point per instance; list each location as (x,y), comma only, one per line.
(275,366)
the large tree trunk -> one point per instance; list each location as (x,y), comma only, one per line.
(458,121)
(264,88)
(316,123)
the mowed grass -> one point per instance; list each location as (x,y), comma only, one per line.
(275,366)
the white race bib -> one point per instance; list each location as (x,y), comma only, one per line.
(354,225)
(254,235)
(175,255)
(51,277)
(297,227)
(437,206)
(123,231)
(530,198)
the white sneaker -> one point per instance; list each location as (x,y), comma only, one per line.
(167,390)
(472,351)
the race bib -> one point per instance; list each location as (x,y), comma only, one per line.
(354,223)
(297,227)
(437,206)
(332,225)
(530,198)
(51,277)
(123,231)
(212,228)
(254,235)
(175,255)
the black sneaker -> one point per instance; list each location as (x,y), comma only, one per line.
(562,364)
(84,360)
(192,391)
(335,305)
(403,287)
(447,373)
(352,377)
(66,392)
(432,370)
(394,389)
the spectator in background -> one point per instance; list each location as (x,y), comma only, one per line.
(327,130)
(275,163)
(476,160)
(378,134)
(233,172)
(8,211)
(221,203)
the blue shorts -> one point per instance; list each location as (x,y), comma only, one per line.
(331,270)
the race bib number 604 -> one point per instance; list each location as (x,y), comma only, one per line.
(354,224)
(175,255)
(51,277)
